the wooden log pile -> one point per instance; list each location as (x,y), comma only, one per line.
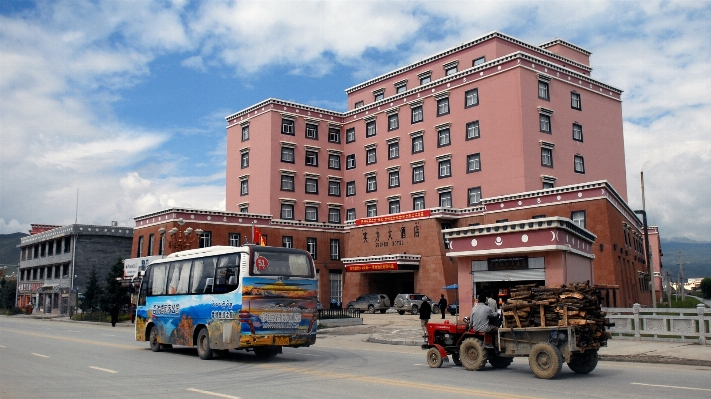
(560,305)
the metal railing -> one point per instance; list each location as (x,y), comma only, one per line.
(324,314)
(661,324)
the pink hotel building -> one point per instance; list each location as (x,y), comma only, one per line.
(439,145)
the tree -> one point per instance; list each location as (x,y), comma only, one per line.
(706,287)
(114,293)
(7,293)
(92,294)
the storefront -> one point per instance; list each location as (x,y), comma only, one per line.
(387,274)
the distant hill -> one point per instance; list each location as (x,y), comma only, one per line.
(696,257)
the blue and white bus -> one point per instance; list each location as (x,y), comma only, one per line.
(255,298)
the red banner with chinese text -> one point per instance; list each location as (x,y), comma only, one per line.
(375,267)
(393,218)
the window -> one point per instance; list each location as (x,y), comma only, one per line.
(418,144)
(161,245)
(472,130)
(473,163)
(139,252)
(334,215)
(350,189)
(334,135)
(244,161)
(312,185)
(579,164)
(479,61)
(311,131)
(359,104)
(350,214)
(575,101)
(547,157)
(287,211)
(244,187)
(543,93)
(418,174)
(471,98)
(417,114)
(350,161)
(443,106)
(205,239)
(393,122)
(443,138)
(335,249)
(287,241)
(425,79)
(370,129)
(394,206)
(401,89)
(577,132)
(243,209)
(350,135)
(334,161)
(312,158)
(334,188)
(578,217)
(548,184)
(445,199)
(287,183)
(371,184)
(287,154)
(335,282)
(450,71)
(245,133)
(311,246)
(311,214)
(287,126)
(370,156)
(394,179)
(445,168)
(234,239)
(379,96)
(545,123)
(474,196)
(371,210)
(394,150)
(151,239)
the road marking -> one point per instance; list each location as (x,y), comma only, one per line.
(106,370)
(404,384)
(1,346)
(221,395)
(37,354)
(78,340)
(672,386)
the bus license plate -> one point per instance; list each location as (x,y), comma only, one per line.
(282,341)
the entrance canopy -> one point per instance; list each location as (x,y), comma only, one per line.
(395,263)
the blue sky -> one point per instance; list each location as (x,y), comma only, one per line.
(125,100)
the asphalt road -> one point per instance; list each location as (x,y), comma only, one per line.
(51,359)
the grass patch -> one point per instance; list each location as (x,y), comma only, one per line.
(688,302)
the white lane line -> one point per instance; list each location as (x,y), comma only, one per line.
(671,386)
(106,370)
(221,395)
(1,346)
(37,354)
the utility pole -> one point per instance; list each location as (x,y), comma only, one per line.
(681,276)
(668,286)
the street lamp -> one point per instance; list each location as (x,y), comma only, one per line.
(180,240)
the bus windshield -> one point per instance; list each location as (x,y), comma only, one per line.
(277,262)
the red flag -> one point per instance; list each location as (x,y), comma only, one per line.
(258,238)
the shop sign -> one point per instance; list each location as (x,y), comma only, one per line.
(375,267)
(132,266)
(509,263)
(393,218)
(390,237)
(29,287)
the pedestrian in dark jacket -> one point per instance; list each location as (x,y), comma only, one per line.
(425,313)
(443,306)
(114,314)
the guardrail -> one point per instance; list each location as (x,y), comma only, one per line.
(324,314)
(661,324)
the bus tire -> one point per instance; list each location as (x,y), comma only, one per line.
(203,345)
(545,360)
(153,340)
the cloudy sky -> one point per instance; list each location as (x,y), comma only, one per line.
(125,100)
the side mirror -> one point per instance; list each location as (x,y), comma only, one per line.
(209,282)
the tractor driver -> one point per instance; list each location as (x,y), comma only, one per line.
(481,313)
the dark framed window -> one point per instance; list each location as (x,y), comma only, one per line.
(379,96)
(334,188)
(311,158)
(575,102)
(547,157)
(371,184)
(334,135)
(287,211)
(578,217)
(235,239)
(287,241)
(350,188)
(445,168)
(370,156)
(543,92)
(545,122)
(443,106)
(287,154)
(577,132)
(287,127)
(359,104)
(443,138)
(311,186)
(473,196)
(393,122)
(311,214)
(394,206)
(334,215)
(350,135)
(547,184)
(245,133)
(287,183)
(579,164)
(394,179)
(425,79)
(244,160)
(311,131)
(334,161)
(478,61)
(417,114)
(418,144)
(473,163)
(371,210)
(370,129)
(450,71)
(350,214)
(445,199)
(401,89)
(472,130)
(418,174)
(244,187)
(350,161)
(311,246)
(243,209)
(335,249)
(205,239)
(471,98)
(418,202)
(394,150)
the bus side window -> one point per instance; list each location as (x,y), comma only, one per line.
(144,287)
(158,279)
(203,269)
(227,274)
(179,277)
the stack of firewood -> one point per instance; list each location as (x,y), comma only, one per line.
(560,305)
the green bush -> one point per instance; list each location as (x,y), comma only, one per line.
(705,287)
(688,302)
(11,312)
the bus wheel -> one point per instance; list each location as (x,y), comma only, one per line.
(153,340)
(203,345)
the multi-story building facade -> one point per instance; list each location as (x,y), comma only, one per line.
(55,262)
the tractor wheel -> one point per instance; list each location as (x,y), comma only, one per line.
(455,358)
(545,360)
(583,363)
(472,354)
(499,362)
(434,358)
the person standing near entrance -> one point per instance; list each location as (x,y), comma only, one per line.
(491,302)
(443,305)
(114,314)
(425,313)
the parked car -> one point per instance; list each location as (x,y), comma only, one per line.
(413,302)
(453,308)
(371,303)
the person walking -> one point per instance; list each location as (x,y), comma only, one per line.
(425,313)
(114,314)
(491,302)
(443,305)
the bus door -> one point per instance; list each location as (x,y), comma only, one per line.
(225,308)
